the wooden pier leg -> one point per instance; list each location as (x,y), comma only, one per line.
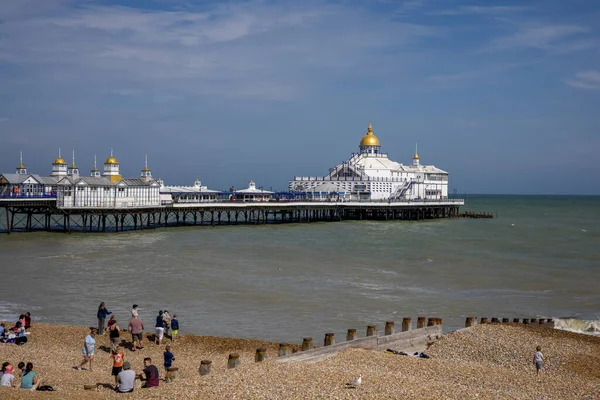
(406,323)
(233,360)
(371,330)
(390,328)
(84,224)
(91,223)
(329,339)
(69,219)
(351,335)
(261,354)
(205,367)
(421,322)
(134,222)
(307,343)
(103,222)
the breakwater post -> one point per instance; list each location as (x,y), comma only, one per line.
(421,322)
(261,354)
(371,330)
(351,335)
(307,344)
(329,339)
(390,327)
(205,366)
(406,324)
(233,360)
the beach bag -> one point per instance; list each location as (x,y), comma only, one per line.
(46,388)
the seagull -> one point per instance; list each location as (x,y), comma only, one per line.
(355,383)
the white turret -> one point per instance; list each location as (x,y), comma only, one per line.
(146,173)
(111,168)
(73,171)
(59,166)
(21,170)
(416,157)
(95,172)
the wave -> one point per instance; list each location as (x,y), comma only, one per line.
(585,326)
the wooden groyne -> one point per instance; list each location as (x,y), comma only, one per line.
(405,340)
(471,214)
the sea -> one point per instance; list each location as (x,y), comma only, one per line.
(538,257)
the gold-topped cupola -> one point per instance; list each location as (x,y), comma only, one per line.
(111,168)
(59,166)
(369,143)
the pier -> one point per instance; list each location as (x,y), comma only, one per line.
(29,214)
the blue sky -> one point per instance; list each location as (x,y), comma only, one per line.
(503,95)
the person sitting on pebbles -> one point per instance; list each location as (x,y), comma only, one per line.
(149,374)
(126,379)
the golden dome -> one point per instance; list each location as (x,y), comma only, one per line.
(21,166)
(73,166)
(145,169)
(369,139)
(59,161)
(111,160)
(416,156)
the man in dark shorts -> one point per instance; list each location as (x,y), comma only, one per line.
(136,327)
(150,374)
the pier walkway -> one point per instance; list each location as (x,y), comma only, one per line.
(29,214)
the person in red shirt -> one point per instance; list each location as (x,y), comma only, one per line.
(118,358)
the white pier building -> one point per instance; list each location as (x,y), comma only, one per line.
(371,175)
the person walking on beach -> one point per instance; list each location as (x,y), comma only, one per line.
(169,357)
(134,311)
(114,332)
(102,314)
(89,345)
(174,328)
(136,327)
(118,359)
(160,328)
(538,359)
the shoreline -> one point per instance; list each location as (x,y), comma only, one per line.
(487,361)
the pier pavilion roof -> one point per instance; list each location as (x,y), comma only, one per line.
(136,182)
(21,178)
(186,189)
(251,189)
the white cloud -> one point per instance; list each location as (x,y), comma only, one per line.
(539,37)
(586,80)
(275,51)
(480,10)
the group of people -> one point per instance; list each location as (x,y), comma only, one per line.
(29,379)
(17,334)
(121,369)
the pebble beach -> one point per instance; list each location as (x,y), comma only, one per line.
(492,361)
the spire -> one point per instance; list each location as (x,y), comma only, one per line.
(73,164)
(95,168)
(416,156)
(146,164)
(21,168)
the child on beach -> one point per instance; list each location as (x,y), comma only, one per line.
(169,357)
(174,328)
(118,358)
(538,359)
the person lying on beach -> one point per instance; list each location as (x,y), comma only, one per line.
(149,374)
(29,379)
(89,344)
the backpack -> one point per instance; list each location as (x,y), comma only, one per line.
(46,388)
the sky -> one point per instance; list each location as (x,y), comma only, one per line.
(504,95)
